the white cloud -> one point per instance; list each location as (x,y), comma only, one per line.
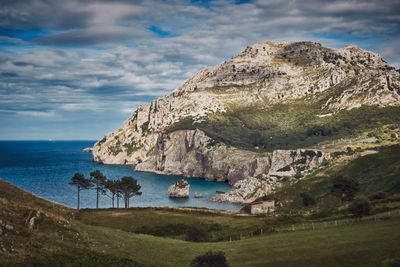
(109,60)
(35,113)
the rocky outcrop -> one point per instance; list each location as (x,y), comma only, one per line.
(285,165)
(247,190)
(263,75)
(87,149)
(192,154)
(32,217)
(180,189)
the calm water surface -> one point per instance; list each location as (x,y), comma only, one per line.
(45,168)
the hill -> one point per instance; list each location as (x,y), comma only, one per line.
(62,236)
(276,110)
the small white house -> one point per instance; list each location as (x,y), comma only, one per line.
(262,207)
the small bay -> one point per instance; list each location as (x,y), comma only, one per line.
(45,168)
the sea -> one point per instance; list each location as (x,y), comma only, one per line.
(45,168)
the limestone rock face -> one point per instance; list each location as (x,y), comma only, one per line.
(284,164)
(246,191)
(263,75)
(179,189)
(190,153)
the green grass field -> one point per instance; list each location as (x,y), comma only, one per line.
(364,244)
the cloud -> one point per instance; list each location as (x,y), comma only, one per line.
(100,58)
(11,40)
(35,113)
(90,36)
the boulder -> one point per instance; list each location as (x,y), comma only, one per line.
(87,149)
(180,189)
(198,195)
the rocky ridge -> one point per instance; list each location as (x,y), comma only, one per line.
(263,75)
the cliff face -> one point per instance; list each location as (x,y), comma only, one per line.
(192,154)
(263,75)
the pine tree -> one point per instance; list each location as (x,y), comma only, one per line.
(98,180)
(129,188)
(81,182)
(113,187)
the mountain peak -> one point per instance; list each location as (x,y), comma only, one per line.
(262,76)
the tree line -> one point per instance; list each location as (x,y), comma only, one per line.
(125,188)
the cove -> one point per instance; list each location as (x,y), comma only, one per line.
(45,168)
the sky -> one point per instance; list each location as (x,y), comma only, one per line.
(75,70)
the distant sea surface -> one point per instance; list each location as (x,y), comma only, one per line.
(45,168)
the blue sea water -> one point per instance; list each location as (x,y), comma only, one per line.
(45,168)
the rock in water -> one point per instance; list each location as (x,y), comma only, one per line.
(198,195)
(179,189)
(88,149)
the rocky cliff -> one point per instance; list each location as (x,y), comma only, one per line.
(262,76)
(193,154)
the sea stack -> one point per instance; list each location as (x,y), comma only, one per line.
(180,189)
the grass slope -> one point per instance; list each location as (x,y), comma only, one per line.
(376,172)
(364,244)
(51,242)
(289,126)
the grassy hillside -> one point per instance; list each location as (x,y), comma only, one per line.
(65,237)
(365,244)
(376,172)
(291,126)
(53,241)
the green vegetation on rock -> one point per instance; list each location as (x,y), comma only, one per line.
(289,126)
(181,183)
(376,175)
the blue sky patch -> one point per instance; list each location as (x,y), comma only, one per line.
(160,32)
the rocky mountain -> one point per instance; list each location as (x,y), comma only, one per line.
(258,116)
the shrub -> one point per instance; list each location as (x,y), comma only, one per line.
(308,200)
(345,188)
(210,259)
(360,207)
(197,233)
(378,195)
(181,183)
(285,169)
(394,262)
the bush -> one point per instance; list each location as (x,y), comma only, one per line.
(378,195)
(197,233)
(308,200)
(360,207)
(395,262)
(210,259)
(345,188)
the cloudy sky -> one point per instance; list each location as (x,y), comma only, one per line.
(77,69)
